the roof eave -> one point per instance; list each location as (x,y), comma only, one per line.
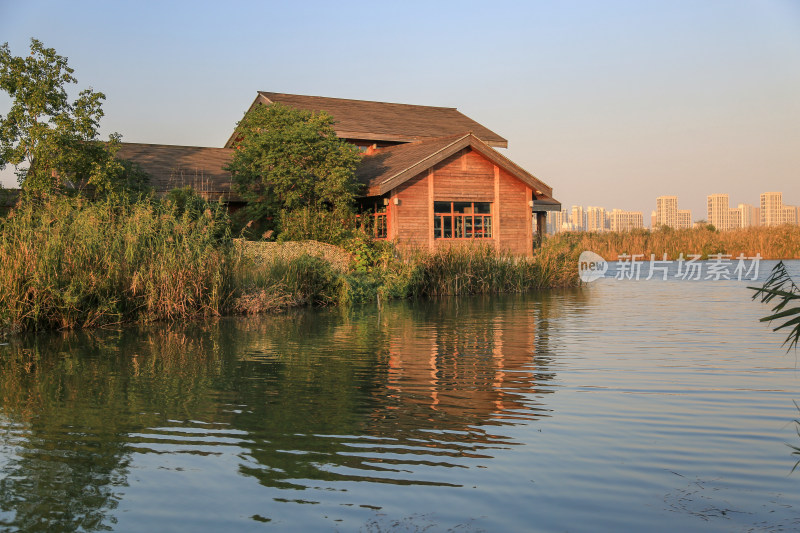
(422,165)
(511,167)
(541,190)
(543,205)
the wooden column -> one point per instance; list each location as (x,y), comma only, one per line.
(431,241)
(496,206)
(392,214)
(541,225)
(529,221)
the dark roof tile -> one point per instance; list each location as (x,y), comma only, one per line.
(172,166)
(382,121)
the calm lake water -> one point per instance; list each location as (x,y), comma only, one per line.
(621,406)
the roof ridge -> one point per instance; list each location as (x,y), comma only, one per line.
(176,145)
(265,93)
(417,142)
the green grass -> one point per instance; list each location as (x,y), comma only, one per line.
(268,286)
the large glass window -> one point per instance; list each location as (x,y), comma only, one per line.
(462,220)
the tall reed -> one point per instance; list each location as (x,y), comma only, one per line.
(67,263)
(264,284)
(482,269)
(273,285)
(780,242)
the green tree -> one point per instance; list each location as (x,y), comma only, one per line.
(289,161)
(52,141)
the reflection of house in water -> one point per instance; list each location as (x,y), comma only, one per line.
(384,396)
(475,364)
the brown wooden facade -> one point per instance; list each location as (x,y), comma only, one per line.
(463,177)
(490,200)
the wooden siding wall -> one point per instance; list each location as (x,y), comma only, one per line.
(516,223)
(409,223)
(466,176)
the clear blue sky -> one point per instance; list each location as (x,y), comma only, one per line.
(611,103)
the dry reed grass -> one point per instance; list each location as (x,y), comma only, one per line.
(781,242)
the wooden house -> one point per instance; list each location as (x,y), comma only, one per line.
(454,189)
(431,175)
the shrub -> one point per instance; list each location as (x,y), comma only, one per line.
(310,224)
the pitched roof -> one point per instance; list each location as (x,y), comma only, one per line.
(382,121)
(389,167)
(172,166)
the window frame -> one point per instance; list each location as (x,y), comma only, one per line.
(379,220)
(462,226)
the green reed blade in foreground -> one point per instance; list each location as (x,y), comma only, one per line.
(780,287)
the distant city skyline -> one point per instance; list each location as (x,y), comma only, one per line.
(769,210)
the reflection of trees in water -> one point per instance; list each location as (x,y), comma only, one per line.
(67,455)
(67,406)
(314,395)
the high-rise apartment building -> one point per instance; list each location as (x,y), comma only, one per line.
(684,219)
(720,215)
(625,220)
(578,218)
(789,213)
(667,211)
(772,209)
(595,219)
(746,215)
(719,211)
(735,219)
(557,221)
(742,216)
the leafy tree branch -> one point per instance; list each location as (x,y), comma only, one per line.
(51,140)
